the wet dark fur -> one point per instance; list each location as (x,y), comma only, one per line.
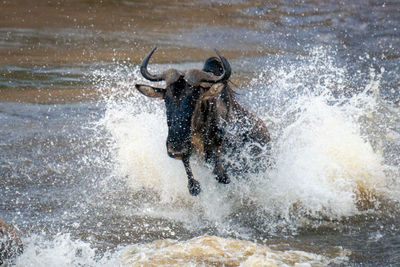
(220,125)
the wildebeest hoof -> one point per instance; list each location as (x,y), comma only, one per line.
(194,187)
(223,178)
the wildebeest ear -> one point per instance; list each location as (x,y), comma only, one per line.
(150,91)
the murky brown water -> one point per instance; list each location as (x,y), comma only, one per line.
(83,172)
(71,36)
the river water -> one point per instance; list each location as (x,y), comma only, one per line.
(84,173)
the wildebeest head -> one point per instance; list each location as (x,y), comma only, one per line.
(182,91)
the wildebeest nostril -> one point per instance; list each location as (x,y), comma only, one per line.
(177,152)
(173,152)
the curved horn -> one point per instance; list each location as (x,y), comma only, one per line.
(145,73)
(199,76)
(226,66)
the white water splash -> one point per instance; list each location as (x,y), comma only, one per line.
(322,164)
(327,162)
(62,251)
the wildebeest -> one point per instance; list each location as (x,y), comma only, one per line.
(204,116)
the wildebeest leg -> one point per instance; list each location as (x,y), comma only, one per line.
(193,185)
(219,170)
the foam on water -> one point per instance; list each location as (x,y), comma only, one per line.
(217,251)
(62,250)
